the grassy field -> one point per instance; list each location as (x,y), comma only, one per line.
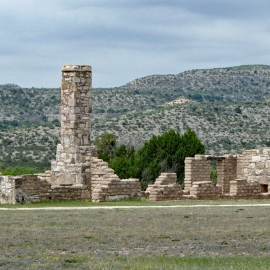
(148,238)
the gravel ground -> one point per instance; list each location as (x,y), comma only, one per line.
(37,237)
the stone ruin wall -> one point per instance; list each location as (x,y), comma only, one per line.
(205,190)
(238,177)
(7,190)
(106,185)
(226,172)
(77,174)
(38,187)
(243,161)
(165,188)
(254,165)
(197,169)
(33,188)
(244,189)
(76,162)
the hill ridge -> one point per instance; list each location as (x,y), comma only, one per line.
(229,111)
(156,79)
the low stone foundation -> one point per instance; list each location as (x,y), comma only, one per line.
(243,189)
(205,190)
(38,189)
(33,188)
(165,188)
(117,190)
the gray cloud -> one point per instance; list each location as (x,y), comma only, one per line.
(123,40)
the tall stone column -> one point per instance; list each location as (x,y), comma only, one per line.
(73,154)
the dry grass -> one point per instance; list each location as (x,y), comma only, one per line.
(111,239)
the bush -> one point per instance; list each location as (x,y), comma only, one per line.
(213,175)
(166,153)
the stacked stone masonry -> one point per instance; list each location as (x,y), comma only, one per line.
(197,169)
(226,172)
(243,189)
(165,188)
(243,162)
(205,190)
(106,185)
(33,188)
(70,175)
(7,190)
(238,176)
(72,156)
(254,165)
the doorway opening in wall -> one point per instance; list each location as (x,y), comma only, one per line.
(264,188)
(213,171)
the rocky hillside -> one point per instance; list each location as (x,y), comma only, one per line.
(227,107)
(228,84)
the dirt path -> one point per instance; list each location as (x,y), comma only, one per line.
(132,207)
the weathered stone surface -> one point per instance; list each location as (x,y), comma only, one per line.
(71,166)
(106,186)
(206,190)
(33,188)
(197,169)
(70,175)
(240,176)
(7,190)
(165,188)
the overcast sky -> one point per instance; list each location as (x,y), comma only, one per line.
(126,39)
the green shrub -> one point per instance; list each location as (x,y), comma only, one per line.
(213,175)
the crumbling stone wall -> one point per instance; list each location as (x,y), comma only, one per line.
(165,188)
(7,190)
(33,188)
(205,190)
(240,176)
(197,169)
(244,189)
(106,185)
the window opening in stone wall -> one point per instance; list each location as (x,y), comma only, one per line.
(264,188)
(213,171)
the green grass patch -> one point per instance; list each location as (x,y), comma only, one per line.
(145,263)
(194,263)
(17,171)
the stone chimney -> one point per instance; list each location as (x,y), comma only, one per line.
(73,154)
